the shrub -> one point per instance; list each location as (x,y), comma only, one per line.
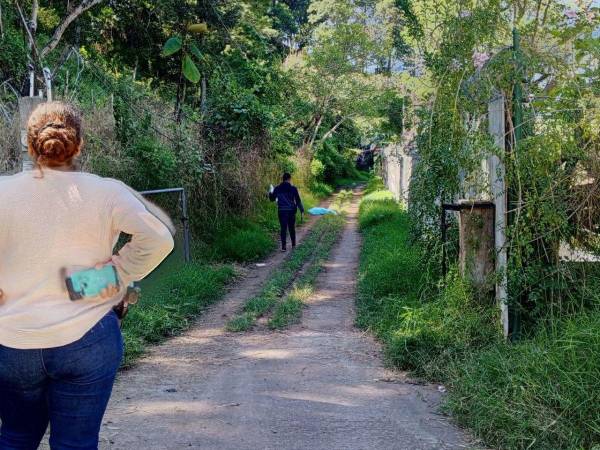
(156,164)
(317,169)
(245,244)
(321,190)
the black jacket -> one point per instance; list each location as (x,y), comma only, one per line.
(288,198)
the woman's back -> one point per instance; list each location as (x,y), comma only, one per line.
(62,219)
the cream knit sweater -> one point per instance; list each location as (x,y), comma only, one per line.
(67,220)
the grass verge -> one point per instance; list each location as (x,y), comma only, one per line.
(289,310)
(281,279)
(542,393)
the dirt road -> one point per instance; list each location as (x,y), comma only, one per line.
(319,385)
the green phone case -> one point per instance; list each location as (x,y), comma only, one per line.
(90,282)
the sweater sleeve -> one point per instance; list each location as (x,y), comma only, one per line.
(298,200)
(273,195)
(151,240)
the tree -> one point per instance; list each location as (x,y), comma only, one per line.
(339,72)
(38,57)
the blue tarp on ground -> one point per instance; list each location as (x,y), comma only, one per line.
(317,211)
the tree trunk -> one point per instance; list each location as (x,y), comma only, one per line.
(203,95)
(315,132)
(332,130)
(178,98)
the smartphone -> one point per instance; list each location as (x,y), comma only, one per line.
(89,282)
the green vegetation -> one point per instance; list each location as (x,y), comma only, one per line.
(244,244)
(421,335)
(310,248)
(540,393)
(175,293)
(277,283)
(289,310)
(170,303)
(222,96)
(219,97)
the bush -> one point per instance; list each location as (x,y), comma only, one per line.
(245,244)
(335,160)
(317,169)
(155,163)
(321,190)
(375,184)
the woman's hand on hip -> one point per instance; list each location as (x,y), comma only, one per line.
(109,291)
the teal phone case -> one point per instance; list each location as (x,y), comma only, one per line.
(89,282)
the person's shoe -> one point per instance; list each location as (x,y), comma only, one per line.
(283,250)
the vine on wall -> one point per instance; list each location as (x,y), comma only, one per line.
(552,172)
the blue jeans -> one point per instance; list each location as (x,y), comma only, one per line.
(67,387)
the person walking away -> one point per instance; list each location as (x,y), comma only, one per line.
(58,357)
(288,202)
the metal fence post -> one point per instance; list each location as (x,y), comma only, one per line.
(185,220)
(186,226)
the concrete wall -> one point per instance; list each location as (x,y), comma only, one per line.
(396,170)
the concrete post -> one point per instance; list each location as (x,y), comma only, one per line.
(26,107)
(497,173)
(476,245)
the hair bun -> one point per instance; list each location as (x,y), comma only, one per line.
(53,148)
(54,134)
(56,144)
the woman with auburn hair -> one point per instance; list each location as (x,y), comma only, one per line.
(59,357)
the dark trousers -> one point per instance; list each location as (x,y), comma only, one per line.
(287,221)
(67,387)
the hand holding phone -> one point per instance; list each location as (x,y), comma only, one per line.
(102,281)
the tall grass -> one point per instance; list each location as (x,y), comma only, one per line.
(542,393)
(423,335)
